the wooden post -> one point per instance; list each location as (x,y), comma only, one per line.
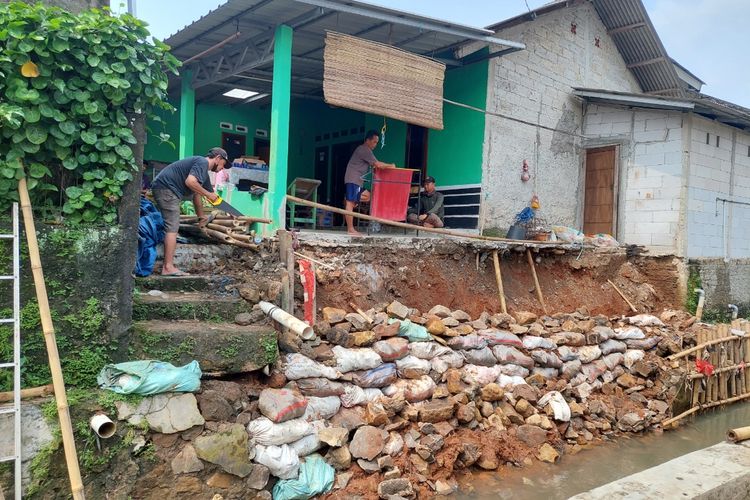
(499,279)
(536,280)
(632,307)
(286,255)
(58,383)
(697,393)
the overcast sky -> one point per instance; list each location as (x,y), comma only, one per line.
(708,37)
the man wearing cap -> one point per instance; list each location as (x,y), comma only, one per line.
(171,186)
(431,209)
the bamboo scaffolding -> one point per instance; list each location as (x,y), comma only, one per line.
(58,383)
(707,343)
(499,279)
(32,392)
(694,409)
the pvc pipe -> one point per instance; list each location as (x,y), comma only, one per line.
(103,426)
(735,310)
(701,301)
(285,319)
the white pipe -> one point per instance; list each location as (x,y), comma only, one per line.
(735,310)
(701,302)
(103,426)
(285,319)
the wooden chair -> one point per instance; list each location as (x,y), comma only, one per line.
(307,189)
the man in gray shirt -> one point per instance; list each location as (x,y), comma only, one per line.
(359,164)
(171,186)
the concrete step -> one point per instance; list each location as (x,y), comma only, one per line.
(218,347)
(205,306)
(191,283)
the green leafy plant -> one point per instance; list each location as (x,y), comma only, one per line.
(70,86)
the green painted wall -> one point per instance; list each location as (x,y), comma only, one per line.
(455,153)
(394,150)
(157,150)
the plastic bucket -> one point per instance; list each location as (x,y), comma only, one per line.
(516,232)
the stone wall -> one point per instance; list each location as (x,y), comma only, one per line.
(535,85)
(725,282)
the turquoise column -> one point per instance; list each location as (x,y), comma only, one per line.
(187,115)
(281,95)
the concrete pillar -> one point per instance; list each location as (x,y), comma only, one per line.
(187,115)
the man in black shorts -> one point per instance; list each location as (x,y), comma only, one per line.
(359,164)
(171,186)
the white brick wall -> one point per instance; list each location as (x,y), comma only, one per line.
(535,85)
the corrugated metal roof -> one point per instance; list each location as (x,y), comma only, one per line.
(257,19)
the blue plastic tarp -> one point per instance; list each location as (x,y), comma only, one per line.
(315,478)
(412,331)
(150,234)
(150,377)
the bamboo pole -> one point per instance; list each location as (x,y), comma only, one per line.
(707,343)
(315,261)
(738,434)
(632,307)
(32,392)
(746,345)
(499,279)
(724,369)
(698,394)
(359,311)
(536,280)
(403,225)
(58,383)
(694,409)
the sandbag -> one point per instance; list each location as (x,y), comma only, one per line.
(299,366)
(613,360)
(546,359)
(588,354)
(481,357)
(643,344)
(349,360)
(149,377)
(560,407)
(392,349)
(309,444)
(570,369)
(629,332)
(566,353)
(412,331)
(569,338)
(412,367)
(603,333)
(513,370)
(611,346)
(505,355)
(380,376)
(320,387)
(441,364)
(315,478)
(506,381)
(282,461)
(547,373)
(632,356)
(321,408)
(594,370)
(645,320)
(500,337)
(428,350)
(568,234)
(412,390)
(355,395)
(280,405)
(531,342)
(480,375)
(468,342)
(267,433)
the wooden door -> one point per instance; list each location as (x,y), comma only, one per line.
(600,199)
(262,148)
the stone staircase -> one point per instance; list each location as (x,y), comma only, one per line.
(183,318)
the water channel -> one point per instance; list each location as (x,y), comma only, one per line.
(604,463)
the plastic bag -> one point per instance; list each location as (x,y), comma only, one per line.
(355,396)
(381,376)
(643,344)
(568,234)
(280,405)
(632,356)
(588,354)
(569,338)
(570,369)
(593,370)
(613,360)
(412,367)
(481,357)
(320,387)
(602,240)
(468,342)
(546,359)
(441,364)
(428,350)
(349,360)
(265,432)
(321,408)
(149,377)
(645,320)
(480,375)
(309,444)
(566,353)
(508,381)
(412,390)
(629,332)
(514,371)
(560,407)
(282,461)
(510,355)
(611,346)
(315,478)
(299,366)
(499,337)
(392,349)
(412,331)
(531,342)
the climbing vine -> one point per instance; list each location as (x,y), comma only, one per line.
(70,86)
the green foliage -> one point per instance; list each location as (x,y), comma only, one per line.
(232,348)
(86,325)
(71,124)
(158,346)
(693,282)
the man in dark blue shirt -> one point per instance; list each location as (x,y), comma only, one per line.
(171,186)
